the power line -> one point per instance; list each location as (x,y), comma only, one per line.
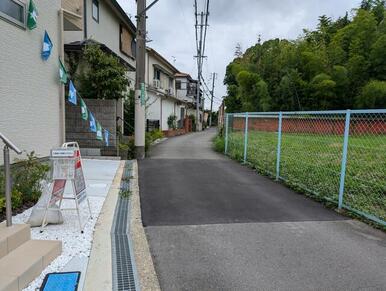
(207,88)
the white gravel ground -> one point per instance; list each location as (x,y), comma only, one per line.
(74,243)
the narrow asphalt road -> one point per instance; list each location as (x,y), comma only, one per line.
(213,224)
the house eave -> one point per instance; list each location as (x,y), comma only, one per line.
(79,45)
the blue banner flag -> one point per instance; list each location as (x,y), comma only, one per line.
(92,123)
(107,137)
(47,46)
(72,93)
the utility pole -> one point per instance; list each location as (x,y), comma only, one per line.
(211,100)
(199,63)
(200,43)
(139,128)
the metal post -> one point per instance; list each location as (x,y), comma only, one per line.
(344,158)
(226,132)
(278,154)
(7,174)
(246,138)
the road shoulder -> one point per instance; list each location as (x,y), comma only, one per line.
(146,273)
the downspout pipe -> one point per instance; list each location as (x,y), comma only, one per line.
(85,19)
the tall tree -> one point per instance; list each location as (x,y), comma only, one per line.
(336,66)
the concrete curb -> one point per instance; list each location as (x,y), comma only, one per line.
(146,273)
(99,270)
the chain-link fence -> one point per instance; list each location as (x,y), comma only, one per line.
(339,156)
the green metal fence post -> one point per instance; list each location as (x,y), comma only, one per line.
(344,158)
(226,132)
(246,137)
(278,154)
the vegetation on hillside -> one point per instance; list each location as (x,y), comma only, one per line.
(340,65)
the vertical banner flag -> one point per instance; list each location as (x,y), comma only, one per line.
(32,15)
(83,109)
(92,123)
(107,137)
(63,77)
(72,93)
(47,46)
(99,131)
(143,94)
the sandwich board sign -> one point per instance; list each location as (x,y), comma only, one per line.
(67,167)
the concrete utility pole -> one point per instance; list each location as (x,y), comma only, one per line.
(200,43)
(139,131)
(214,75)
(199,58)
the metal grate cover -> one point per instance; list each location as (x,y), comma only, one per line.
(124,271)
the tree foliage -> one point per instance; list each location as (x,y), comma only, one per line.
(339,65)
(104,77)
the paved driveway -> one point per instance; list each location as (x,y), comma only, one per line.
(214,224)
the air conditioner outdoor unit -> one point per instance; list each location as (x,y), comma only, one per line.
(156,83)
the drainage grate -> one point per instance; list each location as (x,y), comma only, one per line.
(124,273)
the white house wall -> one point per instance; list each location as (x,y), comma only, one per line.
(106,31)
(30,112)
(150,62)
(153,110)
(168,108)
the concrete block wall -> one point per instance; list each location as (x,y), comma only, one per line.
(314,125)
(77,129)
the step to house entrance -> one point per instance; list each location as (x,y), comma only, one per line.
(96,152)
(23,259)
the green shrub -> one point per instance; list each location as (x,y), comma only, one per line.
(2,204)
(219,144)
(373,95)
(131,150)
(127,149)
(123,150)
(17,199)
(27,175)
(152,136)
(157,134)
(172,121)
(104,77)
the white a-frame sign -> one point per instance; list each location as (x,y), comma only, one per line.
(66,167)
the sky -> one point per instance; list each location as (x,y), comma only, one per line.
(170,27)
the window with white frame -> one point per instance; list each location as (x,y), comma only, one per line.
(95,10)
(13,11)
(157,74)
